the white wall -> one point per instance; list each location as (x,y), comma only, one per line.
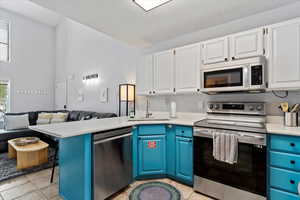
(32,63)
(81,51)
(196,103)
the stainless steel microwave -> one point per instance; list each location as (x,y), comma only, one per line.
(247,75)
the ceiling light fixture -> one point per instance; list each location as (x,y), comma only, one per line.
(150,4)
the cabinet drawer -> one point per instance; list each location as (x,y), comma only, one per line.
(285,143)
(284,179)
(184,131)
(281,195)
(152,130)
(285,160)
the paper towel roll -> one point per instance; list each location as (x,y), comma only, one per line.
(173,109)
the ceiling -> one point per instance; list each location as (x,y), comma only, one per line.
(124,20)
(31,10)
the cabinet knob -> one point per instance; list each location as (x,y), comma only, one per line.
(170,126)
(292,181)
(153,92)
(150,92)
(182,131)
(225,59)
(198,90)
(293,162)
(233,58)
(292,144)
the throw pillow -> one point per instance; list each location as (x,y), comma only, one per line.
(59,117)
(13,122)
(44,118)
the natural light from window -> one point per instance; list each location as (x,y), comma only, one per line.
(4,41)
(4,96)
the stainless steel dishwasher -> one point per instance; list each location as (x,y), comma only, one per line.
(112,152)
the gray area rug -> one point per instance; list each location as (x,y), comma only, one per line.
(8,168)
(155,191)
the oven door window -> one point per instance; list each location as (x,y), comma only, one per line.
(248,174)
(224,78)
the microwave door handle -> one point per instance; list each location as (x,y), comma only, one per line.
(246,75)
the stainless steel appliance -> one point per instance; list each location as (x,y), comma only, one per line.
(247,178)
(248,75)
(112,153)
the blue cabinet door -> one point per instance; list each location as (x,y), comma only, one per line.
(171,151)
(135,151)
(152,155)
(184,158)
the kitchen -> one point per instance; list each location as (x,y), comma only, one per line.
(219,69)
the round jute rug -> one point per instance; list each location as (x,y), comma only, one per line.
(154,191)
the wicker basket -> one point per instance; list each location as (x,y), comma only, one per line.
(26,141)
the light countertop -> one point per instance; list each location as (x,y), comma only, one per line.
(70,129)
(279,128)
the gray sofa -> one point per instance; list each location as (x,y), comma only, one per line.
(74,115)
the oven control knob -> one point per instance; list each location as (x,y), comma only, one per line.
(259,107)
(217,106)
(251,108)
(211,106)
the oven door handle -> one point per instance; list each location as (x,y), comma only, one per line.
(251,136)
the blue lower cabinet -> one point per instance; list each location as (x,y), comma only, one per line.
(281,195)
(184,158)
(152,155)
(171,153)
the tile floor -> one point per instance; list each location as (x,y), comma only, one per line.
(35,186)
(187,192)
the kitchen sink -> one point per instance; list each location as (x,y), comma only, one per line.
(149,119)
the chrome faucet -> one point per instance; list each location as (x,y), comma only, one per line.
(148,114)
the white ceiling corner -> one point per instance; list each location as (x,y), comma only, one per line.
(126,21)
(32,11)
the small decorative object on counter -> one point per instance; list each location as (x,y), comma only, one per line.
(131,114)
(290,114)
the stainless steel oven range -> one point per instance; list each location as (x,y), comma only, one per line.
(245,179)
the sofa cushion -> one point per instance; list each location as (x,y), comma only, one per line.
(13,122)
(44,118)
(59,117)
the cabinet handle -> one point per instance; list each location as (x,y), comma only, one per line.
(225,59)
(292,181)
(292,144)
(293,162)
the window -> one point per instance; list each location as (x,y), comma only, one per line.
(4,41)
(4,96)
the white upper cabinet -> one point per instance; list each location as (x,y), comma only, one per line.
(215,51)
(164,72)
(284,55)
(187,68)
(247,44)
(145,76)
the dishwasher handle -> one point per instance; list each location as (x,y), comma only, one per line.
(112,138)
